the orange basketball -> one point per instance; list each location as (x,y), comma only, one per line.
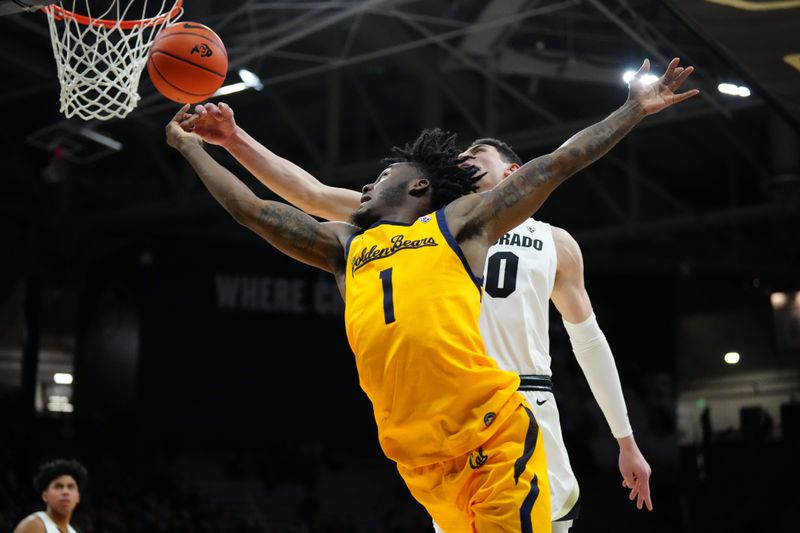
(187,62)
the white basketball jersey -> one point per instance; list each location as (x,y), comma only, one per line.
(50,526)
(519,276)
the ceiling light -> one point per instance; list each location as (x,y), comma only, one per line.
(647,79)
(59,404)
(778,299)
(732,358)
(733,90)
(251,80)
(62,378)
(232,88)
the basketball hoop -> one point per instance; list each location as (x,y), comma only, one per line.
(100,58)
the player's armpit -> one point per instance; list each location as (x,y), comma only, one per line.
(295,233)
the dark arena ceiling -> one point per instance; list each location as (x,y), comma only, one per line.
(708,186)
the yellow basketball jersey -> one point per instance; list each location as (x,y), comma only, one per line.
(411,313)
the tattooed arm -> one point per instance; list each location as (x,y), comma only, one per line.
(216,124)
(521,194)
(286,228)
(508,204)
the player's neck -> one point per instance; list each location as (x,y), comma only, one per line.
(407,214)
(62,521)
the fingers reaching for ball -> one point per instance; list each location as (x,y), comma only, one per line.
(213,122)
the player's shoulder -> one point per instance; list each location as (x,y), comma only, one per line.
(563,238)
(31,524)
(568,252)
(343,231)
(544,229)
(531,225)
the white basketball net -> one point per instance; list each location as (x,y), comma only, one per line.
(100,56)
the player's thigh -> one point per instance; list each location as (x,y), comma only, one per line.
(511,492)
(564,490)
(437,488)
(562,526)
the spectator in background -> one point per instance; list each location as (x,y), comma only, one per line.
(60,483)
(705,426)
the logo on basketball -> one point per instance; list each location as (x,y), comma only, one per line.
(203,49)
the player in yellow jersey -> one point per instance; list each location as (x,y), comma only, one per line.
(465,441)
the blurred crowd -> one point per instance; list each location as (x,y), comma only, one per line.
(140,481)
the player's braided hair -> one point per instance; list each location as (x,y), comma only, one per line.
(506,152)
(434,152)
(60,467)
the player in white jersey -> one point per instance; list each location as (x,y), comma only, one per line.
(59,482)
(525,269)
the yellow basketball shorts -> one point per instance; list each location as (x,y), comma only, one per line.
(500,487)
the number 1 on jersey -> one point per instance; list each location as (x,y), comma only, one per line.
(388,295)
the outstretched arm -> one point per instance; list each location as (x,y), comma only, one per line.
(288,229)
(595,358)
(216,124)
(507,205)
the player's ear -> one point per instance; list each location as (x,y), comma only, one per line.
(419,187)
(510,169)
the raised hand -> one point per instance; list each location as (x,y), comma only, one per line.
(178,137)
(661,94)
(214,123)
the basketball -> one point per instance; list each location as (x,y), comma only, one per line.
(187,62)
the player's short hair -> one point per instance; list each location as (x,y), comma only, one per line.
(506,152)
(57,468)
(434,152)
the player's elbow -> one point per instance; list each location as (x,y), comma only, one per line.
(548,171)
(563,164)
(325,203)
(242,211)
(310,200)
